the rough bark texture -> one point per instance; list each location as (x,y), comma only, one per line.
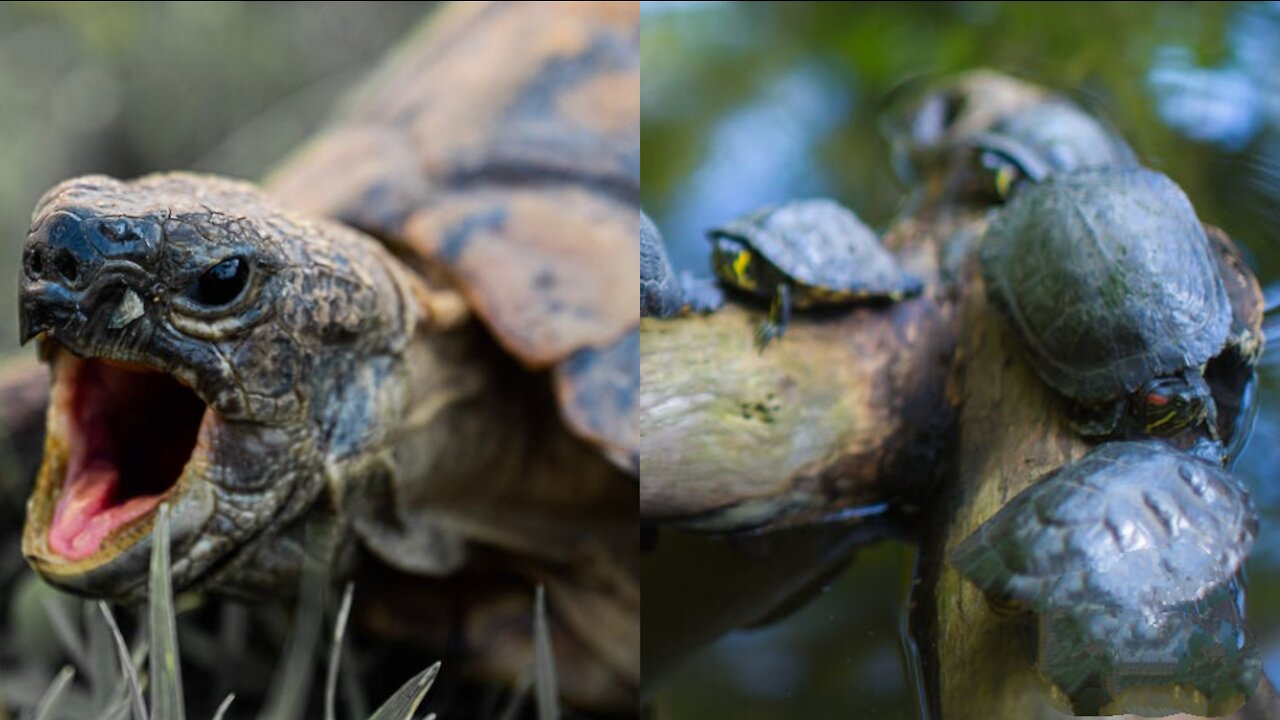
(1012,430)
(846,411)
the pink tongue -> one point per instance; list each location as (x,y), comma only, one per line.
(82,521)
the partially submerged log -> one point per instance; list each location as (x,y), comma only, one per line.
(1012,431)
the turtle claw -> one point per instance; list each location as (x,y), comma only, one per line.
(767,333)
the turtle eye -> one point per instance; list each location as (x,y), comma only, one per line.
(222,283)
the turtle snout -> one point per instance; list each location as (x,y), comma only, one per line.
(69,250)
(69,260)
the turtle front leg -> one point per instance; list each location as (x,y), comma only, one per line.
(779,315)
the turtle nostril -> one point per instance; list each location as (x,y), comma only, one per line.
(64,263)
(34,262)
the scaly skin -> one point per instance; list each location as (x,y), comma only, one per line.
(304,372)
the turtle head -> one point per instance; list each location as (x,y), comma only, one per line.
(208,350)
(735,263)
(931,123)
(975,137)
(1170,404)
(1032,143)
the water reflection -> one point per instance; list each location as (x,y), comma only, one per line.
(751,105)
(758,154)
(1229,103)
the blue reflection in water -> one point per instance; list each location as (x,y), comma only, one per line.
(1218,105)
(1259,465)
(1226,105)
(1271,663)
(759,154)
(771,673)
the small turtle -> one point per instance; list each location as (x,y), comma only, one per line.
(928,120)
(804,254)
(1035,142)
(1127,555)
(1110,280)
(975,136)
(662,293)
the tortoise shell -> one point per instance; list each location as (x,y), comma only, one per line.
(1109,278)
(526,195)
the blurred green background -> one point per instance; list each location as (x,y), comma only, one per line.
(750,104)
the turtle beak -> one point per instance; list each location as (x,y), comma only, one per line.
(43,308)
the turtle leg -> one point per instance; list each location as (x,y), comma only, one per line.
(1211,420)
(779,315)
(1210,446)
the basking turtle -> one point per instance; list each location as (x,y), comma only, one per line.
(928,121)
(663,294)
(979,134)
(1130,556)
(426,332)
(1033,143)
(804,254)
(1110,280)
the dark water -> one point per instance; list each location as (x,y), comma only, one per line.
(749,105)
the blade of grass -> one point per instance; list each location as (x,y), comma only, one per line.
(519,694)
(48,707)
(354,697)
(126,664)
(335,654)
(224,706)
(545,688)
(65,630)
(103,679)
(117,711)
(404,702)
(291,686)
(166,675)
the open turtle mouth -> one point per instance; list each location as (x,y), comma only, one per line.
(122,438)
